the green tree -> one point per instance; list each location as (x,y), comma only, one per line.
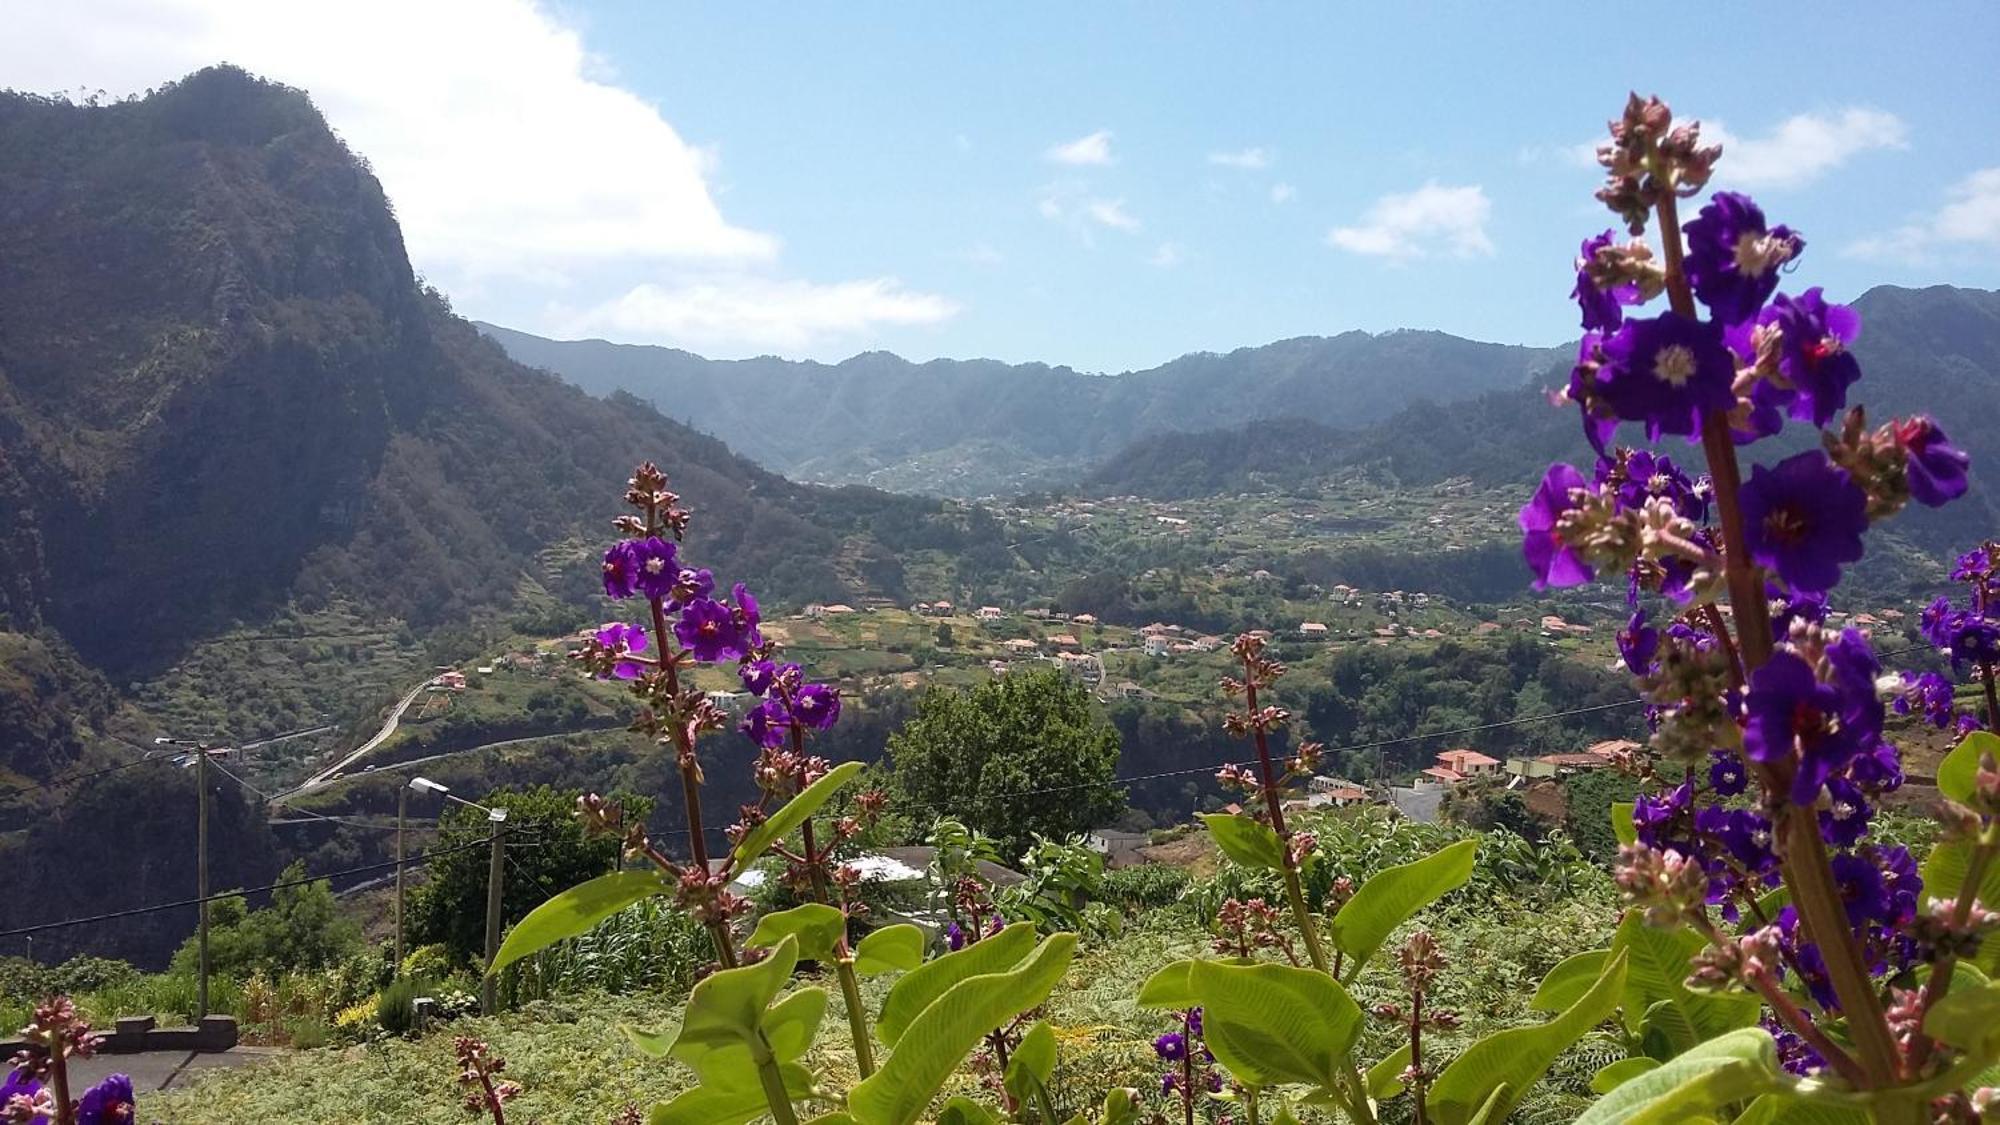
(1590,795)
(301,929)
(943,634)
(971,755)
(546,854)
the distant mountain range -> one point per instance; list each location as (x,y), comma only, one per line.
(979,427)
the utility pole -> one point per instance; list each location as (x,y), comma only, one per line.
(201,876)
(489,985)
(402,811)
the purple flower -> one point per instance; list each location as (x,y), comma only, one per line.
(619,638)
(1934,622)
(766,724)
(708,629)
(1661,822)
(1638,475)
(110,1102)
(1169,1082)
(954,937)
(22,1085)
(1553,562)
(691,584)
(1935,467)
(1733,258)
(1878,769)
(1855,671)
(1214,1082)
(1803,519)
(1170,1047)
(817,706)
(1746,835)
(1975,565)
(1193,1020)
(1667,372)
(621,569)
(1601,311)
(758,676)
(1791,712)
(1726,775)
(1845,819)
(747,614)
(1585,390)
(1813,353)
(1637,642)
(657,566)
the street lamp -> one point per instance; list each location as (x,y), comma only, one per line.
(497,817)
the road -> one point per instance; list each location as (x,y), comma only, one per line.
(381,736)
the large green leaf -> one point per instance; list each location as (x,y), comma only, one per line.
(1385,1079)
(1276,1023)
(1622,827)
(1495,1108)
(1393,895)
(890,949)
(728,1105)
(652,1044)
(938,1039)
(1031,1063)
(791,815)
(961,1110)
(1571,978)
(817,926)
(1518,1057)
(1967,1018)
(1250,843)
(1169,987)
(575,911)
(1657,964)
(1944,876)
(1611,1077)
(791,1023)
(912,994)
(1734,1067)
(1957,775)
(1787,1109)
(724,1013)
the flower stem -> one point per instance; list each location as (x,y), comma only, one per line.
(773,1081)
(1961,913)
(1267,781)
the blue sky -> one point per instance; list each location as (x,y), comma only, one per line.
(1105,185)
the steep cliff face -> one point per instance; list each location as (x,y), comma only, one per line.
(222,388)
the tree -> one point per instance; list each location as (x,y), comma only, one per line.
(972,755)
(943,634)
(547,854)
(301,929)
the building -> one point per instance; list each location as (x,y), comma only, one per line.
(1313,629)
(1065,640)
(1021,645)
(1118,847)
(1468,763)
(1084,619)
(1159,644)
(837,609)
(990,613)
(451,681)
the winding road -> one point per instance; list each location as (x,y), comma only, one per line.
(381,736)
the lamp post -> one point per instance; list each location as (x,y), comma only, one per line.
(495,873)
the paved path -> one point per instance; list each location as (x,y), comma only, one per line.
(381,736)
(159,1070)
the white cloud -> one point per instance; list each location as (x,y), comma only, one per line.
(788,314)
(1111,213)
(517,165)
(1970,217)
(1418,223)
(1093,149)
(1282,192)
(984,254)
(1252,159)
(1803,147)
(1166,256)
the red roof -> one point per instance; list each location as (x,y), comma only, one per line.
(1459,759)
(1585,761)
(1443,774)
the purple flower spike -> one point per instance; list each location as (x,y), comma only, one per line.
(817,706)
(1602,311)
(758,676)
(767,723)
(954,937)
(1549,557)
(110,1102)
(1936,467)
(621,569)
(1171,1047)
(1637,642)
(1667,372)
(656,566)
(619,637)
(1733,258)
(1803,520)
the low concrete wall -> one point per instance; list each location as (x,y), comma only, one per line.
(132,1034)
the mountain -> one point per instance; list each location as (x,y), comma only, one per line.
(977,427)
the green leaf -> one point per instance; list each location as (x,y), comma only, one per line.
(1944,876)
(1495,1108)
(1968,1018)
(791,815)
(1786,1109)
(1957,775)
(912,994)
(1393,895)
(1121,1107)
(1656,970)
(728,1105)
(1032,1062)
(1622,827)
(1250,843)
(938,1039)
(890,949)
(1611,1077)
(1169,987)
(1518,1057)
(574,911)
(1285,1116)
(1385,1079)
(833,1119)
(817,926)
(652,1044)
(1571,978)
(1276,1023)
(961,1110)
(723,1014)
(1731,1068)
(791,1023)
